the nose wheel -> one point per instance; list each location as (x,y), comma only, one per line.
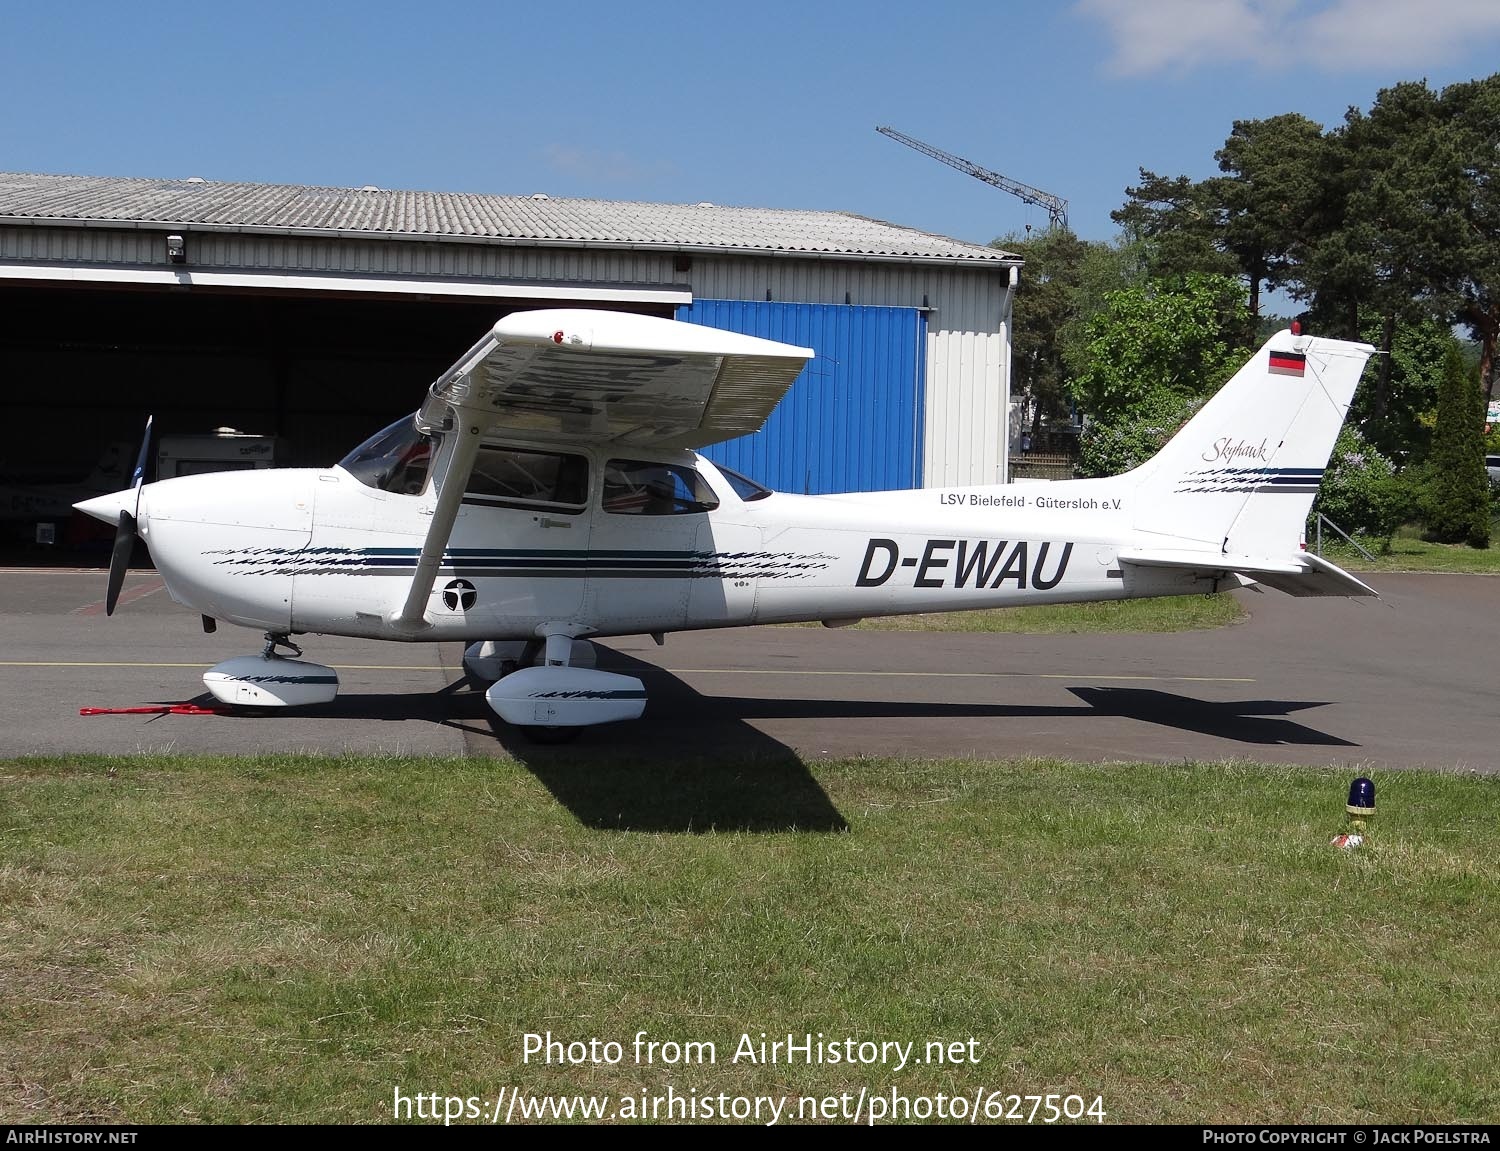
(274,678)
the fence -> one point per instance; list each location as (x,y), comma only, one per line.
(1041,466)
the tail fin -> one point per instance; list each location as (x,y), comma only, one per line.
(1241,475)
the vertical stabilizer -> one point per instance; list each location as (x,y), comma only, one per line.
(1241,475)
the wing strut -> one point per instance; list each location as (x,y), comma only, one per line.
(466,437)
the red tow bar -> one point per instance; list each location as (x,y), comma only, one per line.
(157,709)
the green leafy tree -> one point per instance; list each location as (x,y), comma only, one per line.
(1062,286)
(1171,339)
(1255,221)
(1106,268)
(1472,275)
(1045,307)
(1273,197)
(1179,224)
(1403,431)
(1389,220)
(1393,228)
(1456,497)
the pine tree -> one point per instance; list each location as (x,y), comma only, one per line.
(1458,492)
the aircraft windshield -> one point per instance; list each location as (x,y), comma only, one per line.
(744,487)
(394,459)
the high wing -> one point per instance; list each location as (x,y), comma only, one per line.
(576,376)
(588,377)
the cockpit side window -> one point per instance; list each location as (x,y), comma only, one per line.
(395,459)
(521,477)
(645,488)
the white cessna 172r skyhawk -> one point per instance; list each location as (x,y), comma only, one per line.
(548,491)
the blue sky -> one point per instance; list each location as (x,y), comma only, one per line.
(770,104)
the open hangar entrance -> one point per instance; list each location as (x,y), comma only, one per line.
(84,364)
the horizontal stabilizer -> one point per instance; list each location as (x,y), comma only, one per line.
(1303,575)
(1325,578)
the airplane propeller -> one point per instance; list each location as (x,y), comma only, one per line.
(125,534)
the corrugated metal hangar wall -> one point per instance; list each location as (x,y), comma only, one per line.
(966,366)
(852,420)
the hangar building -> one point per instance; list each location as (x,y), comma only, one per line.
(318,315)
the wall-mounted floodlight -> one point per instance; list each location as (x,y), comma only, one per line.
(176,249)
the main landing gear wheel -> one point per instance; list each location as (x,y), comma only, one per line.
(552,702)
(528,658)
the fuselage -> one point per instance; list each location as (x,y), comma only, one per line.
(595,540)
(545,492)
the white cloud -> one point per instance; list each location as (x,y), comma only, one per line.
(1330,35)
(1382,33)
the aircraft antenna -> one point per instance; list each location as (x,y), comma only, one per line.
(1057,207)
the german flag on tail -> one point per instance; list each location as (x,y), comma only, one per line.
(1288,363)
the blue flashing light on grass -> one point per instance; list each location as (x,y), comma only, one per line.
(1361,797)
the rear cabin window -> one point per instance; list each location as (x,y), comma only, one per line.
(520,477)
(643,488)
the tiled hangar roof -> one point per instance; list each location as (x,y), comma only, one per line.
(354,212)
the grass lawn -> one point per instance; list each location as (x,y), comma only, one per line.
(1168,613)
(1409,552)
(294,939)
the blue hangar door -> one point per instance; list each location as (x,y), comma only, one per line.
(852,421)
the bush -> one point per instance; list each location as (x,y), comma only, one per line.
(1361,491)
(1129,440)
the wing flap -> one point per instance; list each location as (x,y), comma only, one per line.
(1304,575)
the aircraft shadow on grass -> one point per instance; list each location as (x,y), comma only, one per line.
(683,775)
(698,763)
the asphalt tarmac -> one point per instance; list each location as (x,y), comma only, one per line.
(1409,681)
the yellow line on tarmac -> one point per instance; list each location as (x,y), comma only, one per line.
(88,663)
(963,674)
(116,663)
(46,571)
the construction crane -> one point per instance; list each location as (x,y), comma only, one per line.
(1057,208)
